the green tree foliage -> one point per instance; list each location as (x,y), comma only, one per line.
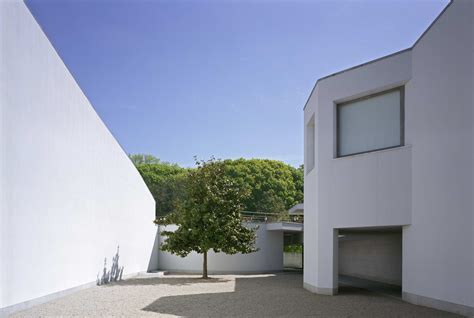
(140,159)
(273,185)
(298,178)
(295,248)
(209,216)
(165,182)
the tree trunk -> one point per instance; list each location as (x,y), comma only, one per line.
(204,265)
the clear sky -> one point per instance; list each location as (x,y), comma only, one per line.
(225,78)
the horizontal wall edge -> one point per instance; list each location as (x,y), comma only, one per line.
(438,304)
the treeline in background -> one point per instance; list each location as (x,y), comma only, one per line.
(274,186)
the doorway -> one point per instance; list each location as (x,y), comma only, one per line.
(371,259)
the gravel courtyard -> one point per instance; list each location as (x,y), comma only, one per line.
(224,296)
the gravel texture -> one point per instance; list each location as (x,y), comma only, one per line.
(224,296)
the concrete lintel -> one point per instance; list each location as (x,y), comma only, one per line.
(438,304)
(320,290)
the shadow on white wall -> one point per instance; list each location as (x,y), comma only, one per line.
(115,272)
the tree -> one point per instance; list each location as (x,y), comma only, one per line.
(209,216)
(166,183)
(298,180)
(139,159)
(274,186)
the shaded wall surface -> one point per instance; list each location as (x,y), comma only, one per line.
(373,256)
(69,194)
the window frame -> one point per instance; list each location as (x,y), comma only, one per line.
(401,90)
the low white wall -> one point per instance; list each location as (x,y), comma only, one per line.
(374,256)
(293,260)
(268,258)
(70,194)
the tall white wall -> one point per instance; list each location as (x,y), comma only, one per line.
(438,258)
(2,171)
(70,194)
(268,258)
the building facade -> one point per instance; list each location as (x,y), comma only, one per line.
(69,195)
(389,154)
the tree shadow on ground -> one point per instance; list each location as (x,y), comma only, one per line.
(283,295)
(175,281)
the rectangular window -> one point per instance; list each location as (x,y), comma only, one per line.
(310,145)
(370,123)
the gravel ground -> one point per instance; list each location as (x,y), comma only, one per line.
(224,296)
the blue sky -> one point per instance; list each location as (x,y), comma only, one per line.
(225,78)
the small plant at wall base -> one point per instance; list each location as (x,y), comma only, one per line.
(208,218)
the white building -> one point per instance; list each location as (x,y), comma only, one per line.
(389,159)
(69,195)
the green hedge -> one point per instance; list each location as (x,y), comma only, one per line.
(293,248)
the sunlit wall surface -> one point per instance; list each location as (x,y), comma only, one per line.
(69,194)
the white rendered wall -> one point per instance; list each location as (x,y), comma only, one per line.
(425,186)
(293,260)
(366,190)
(70,194)
(439,119)
(268,258)
(2,169)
